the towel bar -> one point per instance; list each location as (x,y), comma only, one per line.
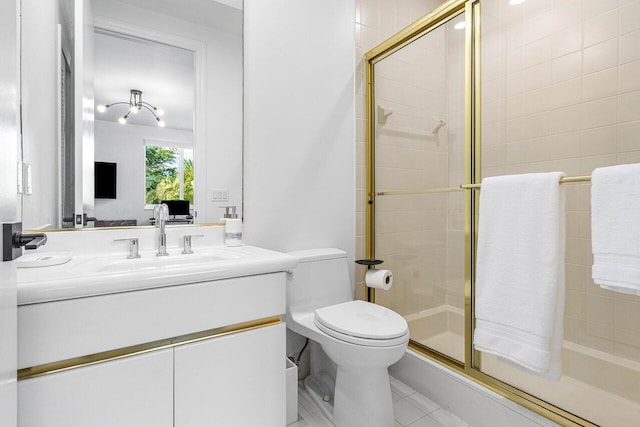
(565,179)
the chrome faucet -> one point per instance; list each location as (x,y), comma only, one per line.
(161,215)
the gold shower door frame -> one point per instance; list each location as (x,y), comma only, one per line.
(471,367)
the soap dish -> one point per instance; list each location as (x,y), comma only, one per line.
(44,259)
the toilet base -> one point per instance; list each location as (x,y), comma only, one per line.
(362,398)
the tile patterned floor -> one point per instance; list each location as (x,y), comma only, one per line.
(411,409)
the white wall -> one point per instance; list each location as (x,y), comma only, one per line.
(124,145)
(299,124)
(40,72)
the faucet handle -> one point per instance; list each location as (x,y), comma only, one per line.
(133,247)
(187,242)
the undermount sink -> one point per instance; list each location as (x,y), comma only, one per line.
(93,274)
(150,261)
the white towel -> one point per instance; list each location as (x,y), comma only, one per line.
(520,279)
(615,228)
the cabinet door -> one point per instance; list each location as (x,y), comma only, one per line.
(132,391)
(237,380)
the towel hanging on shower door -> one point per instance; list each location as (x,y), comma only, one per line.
(520,278)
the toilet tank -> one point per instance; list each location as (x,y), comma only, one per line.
(320,279)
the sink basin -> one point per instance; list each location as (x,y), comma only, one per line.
(92,274)
(152,262)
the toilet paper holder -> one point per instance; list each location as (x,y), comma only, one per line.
(370,263)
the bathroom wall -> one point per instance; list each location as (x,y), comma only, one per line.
(299,166)
(40,70)
(299,106)
(125,145)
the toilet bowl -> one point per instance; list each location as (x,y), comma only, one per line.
(360,339)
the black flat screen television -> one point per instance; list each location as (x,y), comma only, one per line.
(105,180)
(177,207)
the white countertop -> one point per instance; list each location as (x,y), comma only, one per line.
(94,274)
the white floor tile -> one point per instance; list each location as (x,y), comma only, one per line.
(406,413)
(317,419)
(425,404)
(410,409)
(447,418)
(395,396)
(305,401)
(400,388)
(426,421)
(300,423)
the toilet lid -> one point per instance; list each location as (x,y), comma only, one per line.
(363,320)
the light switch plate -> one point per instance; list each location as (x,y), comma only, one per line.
(220,195)
(26,171)
(19,178)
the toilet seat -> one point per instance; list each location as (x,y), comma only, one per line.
(362,323)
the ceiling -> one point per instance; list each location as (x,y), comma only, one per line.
(164,74)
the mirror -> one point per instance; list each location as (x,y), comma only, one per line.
(185,58)
(143,128)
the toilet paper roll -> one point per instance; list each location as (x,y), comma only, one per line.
(379,279)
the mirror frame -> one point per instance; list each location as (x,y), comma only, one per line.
(199,50)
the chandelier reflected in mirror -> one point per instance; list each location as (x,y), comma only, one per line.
(136,104)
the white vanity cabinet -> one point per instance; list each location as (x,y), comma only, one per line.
(132,391)
(234,380)
(209,353)
(238,382)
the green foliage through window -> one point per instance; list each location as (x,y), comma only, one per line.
(163,178)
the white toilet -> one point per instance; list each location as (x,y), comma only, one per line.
(360,339)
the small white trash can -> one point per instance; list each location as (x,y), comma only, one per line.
(292,391)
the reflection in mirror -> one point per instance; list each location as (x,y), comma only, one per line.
(144,94)
(196,157)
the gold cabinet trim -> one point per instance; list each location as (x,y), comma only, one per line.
(92,359)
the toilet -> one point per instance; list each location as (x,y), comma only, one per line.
(352,342)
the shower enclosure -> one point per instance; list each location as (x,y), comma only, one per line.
(493,87)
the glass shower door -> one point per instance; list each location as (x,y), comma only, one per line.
(419,138)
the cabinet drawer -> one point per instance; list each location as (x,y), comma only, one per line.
(61,330)
(132,391)
(237,380)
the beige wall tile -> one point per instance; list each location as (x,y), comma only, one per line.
(600,56)
(630,17)
(601,28)
(629,73)
(629,47)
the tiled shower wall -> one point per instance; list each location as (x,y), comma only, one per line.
(410,229)
(561,91)
(421,238)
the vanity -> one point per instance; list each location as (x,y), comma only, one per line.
(182,340)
